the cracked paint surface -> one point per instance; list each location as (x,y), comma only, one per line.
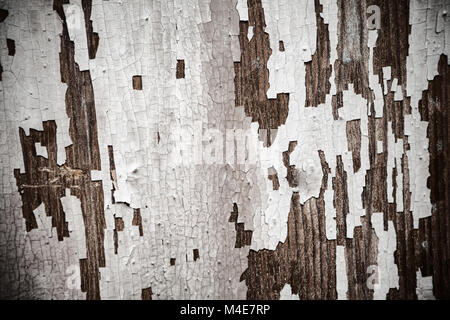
(340,192)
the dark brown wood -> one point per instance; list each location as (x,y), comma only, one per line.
(252,76)
(112,172)
(44,181)
(92,37)
(292,173)
(273,176)
(318,70)
(434,231)
(180,69)
(354,142)
(306,260)
(118,226)
(11,47)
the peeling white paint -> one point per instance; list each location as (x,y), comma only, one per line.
(286,293)
(34,264)
(41,150)
(425,48)
(387,272)
(184,204)
(424,289)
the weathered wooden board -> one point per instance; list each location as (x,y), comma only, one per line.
(209,149)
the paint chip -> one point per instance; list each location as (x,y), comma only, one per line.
(11,47)
(3,14)
(196,254)
(137,82)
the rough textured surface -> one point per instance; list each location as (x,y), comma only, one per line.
(201,149)
(252,75)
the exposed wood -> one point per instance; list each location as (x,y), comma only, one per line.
(433,247)
(147,294)
(137,82)
(306,259)
(180,69)
(11,47)
(252,75)
(243,237)
(318,70)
